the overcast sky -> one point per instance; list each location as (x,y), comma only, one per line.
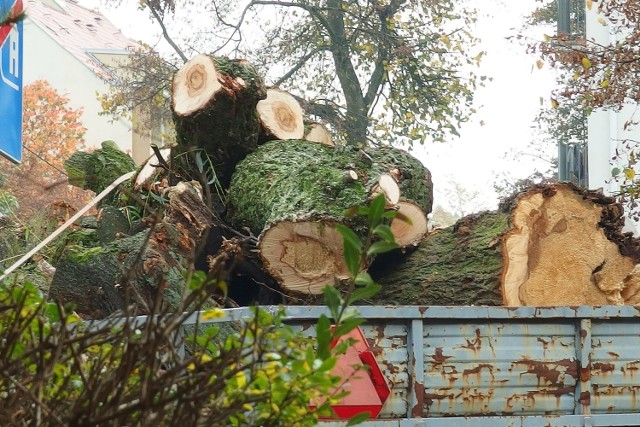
(506,106)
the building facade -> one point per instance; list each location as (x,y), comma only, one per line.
(76,49)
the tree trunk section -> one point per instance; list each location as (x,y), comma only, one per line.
(552,245)
(281,116)
(140,268)
(214,109)
(292,193)
(318,133)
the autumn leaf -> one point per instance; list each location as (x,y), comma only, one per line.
(604,84)
(586,63)
(554,103)
(539,64)
(602,21)
(589,4)
(629,174)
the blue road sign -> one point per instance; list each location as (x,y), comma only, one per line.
(11,91)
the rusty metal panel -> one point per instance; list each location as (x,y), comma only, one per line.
(388,341)
(488,368)
(615,364)
(499,366)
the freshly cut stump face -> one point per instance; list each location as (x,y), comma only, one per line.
(319,133)
(281,115)
(408,234)
(556,254)
(388,186)
(195,85)
(304,256)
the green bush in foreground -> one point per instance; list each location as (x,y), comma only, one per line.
(56,370)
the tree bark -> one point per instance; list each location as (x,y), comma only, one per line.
(139,268)
(214,109)
(550,245)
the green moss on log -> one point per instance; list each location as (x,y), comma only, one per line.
(296,179)
(97,170)
(459,265)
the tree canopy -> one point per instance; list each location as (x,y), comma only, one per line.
(382,71)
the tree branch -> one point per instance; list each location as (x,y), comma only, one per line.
(299,65)
(165,33)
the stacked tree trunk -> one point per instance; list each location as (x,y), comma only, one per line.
(287,186)
(553,244)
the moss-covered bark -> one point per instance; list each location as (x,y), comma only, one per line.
(295,179)
(97,170)
(459,265)
(227,126)
(97,281)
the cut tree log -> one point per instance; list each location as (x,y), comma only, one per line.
(318,133)
(292,193)
(281,116)
(551,245)
(416,192)
(154,168)
(138,268)
(214,109)
(95,171)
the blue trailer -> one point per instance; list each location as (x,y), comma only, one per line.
(500,366)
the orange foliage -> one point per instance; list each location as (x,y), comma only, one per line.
(51,132)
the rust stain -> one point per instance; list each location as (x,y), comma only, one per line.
(613,355)
(585,373)
(474,345)
(438,357)
(421,398)
(604,367)
(550,371)
(477,369)
(422,310)
(585,398)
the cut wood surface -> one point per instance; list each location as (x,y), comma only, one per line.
(411,225)
(551,245)
(214,104)
(281,116)
(318,133)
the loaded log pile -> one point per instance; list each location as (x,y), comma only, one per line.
(250,171)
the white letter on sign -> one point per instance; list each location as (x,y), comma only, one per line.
(14,38)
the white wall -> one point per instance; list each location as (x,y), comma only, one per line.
(606,132)
(45,59)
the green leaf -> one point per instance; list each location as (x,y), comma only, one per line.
(381,247)
(333,300)
(363,278)
(358,419)
(348,326)
(199,162)
(376,210)
(352,249)
(615,171)
(349,236)
(384,232)
(323,336)
(364,292)
(402,217)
